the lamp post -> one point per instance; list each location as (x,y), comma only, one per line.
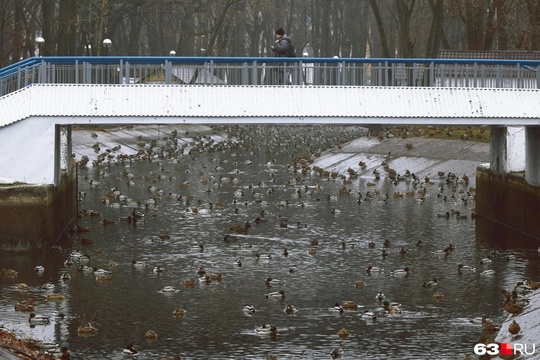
(305,54)
(40,41)
(107,44)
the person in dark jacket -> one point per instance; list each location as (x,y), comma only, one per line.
(281,49)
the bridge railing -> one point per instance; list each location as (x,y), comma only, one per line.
(271,71)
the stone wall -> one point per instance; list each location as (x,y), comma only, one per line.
(35,216)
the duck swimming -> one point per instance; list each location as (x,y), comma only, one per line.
(249,309)
(465,268)
(130,351)
(431,283)
(168,289)
(276,295)
(36,319)
(369,315)
(401,272)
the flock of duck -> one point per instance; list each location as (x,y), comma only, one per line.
(446,187)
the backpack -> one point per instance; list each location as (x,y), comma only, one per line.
(290,49)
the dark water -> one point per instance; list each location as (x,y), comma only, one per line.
(257,160)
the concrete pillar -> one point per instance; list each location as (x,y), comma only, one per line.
(498,150)
(532,155)
(515,160)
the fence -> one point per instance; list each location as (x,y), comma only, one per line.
(271,71)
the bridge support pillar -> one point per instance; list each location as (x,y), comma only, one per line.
(532,155)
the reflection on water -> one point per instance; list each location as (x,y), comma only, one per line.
(191,201)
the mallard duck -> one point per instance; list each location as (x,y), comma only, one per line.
(215,277)
(276,295)
(336,353)
(312,251)
(293,269)
(337,308)
(36,319)
(205,279)
(54,297)
(431,283)
(25,306)
(487,272)
(514,328)
(349,305)
(104,277)
(249,309)
(369,315)
(22,286)
(360,284)
(488,325)
(373,269)
(289,309)
(158,269)
(507,294)
(188,283)
(168,289)
(271,281)
(438,295)
(39,269)
(465,268)
(150,334)
(8,273)
(65,276)
(390,308)
(512,308)
(486,260)
(179,312)
(138,264)
(380,296)
(401,272)
(130,351)
(85,268)
(100,271)
(47,286)
(343,333)
(534,285)
(266,330)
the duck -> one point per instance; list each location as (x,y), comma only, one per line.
(488,325)
(487,272)
(205,279)
(25,305)
(369,315)
(266,330)
(22,286)
(54,297)
(514,328)
(238,263)
(465,268)
(168,289)
(39,269)
(293,269)
(336,353)
(360,284)
(86,329)
(130,351)
(139,264)
(338,308)
(276,295)
(349,305)
(343,333)
(188,283)
(179,312)
(534,285)
(380,296)
(401,272)
(289,309)
(249,309)
(100,271)
(83,259)
(507,294)
(373,269)
(47,286)
(271,281)
(85,268)
(391,308)
(431,283)
(512,308)
(36,319)
(65,276)
(158,269)
(9,273)
(150,335)
(312,251)
(215,277)
(486,260)
(438,295)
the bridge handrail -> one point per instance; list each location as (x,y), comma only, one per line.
(256,71)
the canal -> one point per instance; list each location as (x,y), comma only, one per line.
(323,218)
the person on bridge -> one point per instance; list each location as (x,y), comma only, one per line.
(282,48)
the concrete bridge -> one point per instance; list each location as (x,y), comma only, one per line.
(44,97)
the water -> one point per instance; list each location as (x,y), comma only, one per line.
(195,199)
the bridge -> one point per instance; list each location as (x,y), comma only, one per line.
(42,98)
